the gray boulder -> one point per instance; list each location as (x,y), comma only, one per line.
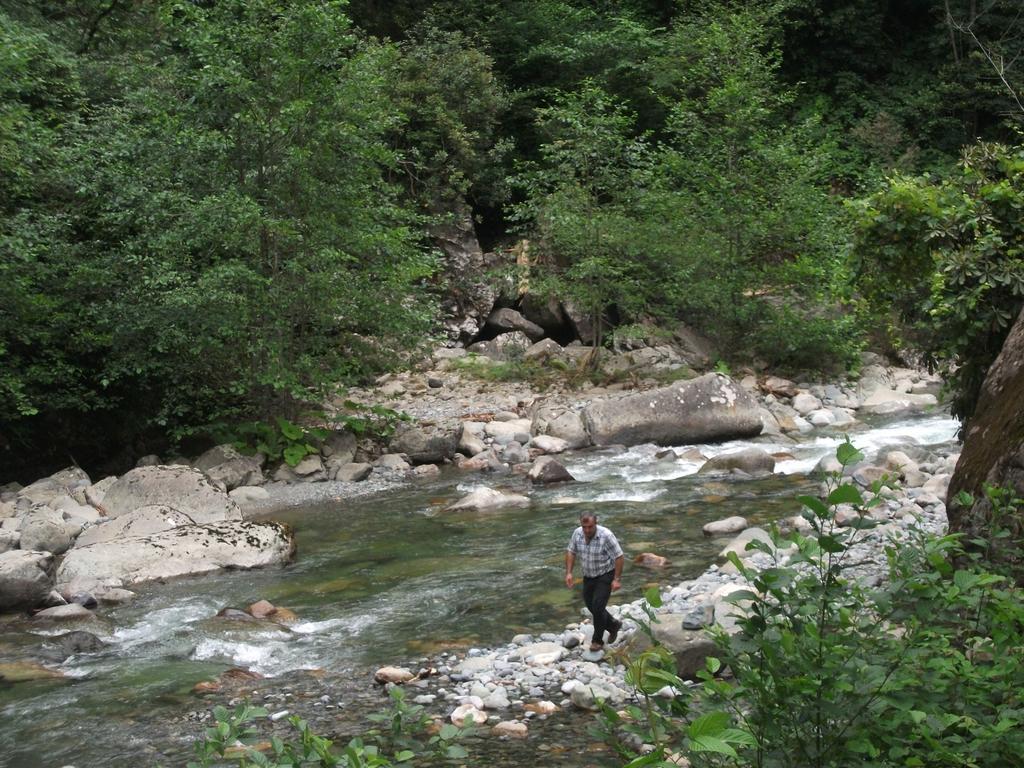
(183,551)
(548,470)
(561,422)
(26,579)
(426,445)
(505,319)
(488,498)
(184,488)
(353,472)
(43,530)
(139,522)
(749,460)
(691,648)
(711,407)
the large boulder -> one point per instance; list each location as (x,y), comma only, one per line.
(711,407)
(26,579)
(749,460)
(185,488)
(561,422)
(183,551)
(993,454)
(483,499)
(140,522)
(426,444)
(690,648)
(505,319)
(43,530)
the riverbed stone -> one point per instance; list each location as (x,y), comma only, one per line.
(733,524)
(549,444)
(546,470)
(69,612)
(185,488)
(711,407)
(186,550)
(467,713)
(426,444)
(749,460)
(395,675)
(562,422)
(43,530)
(26,579)
(9,540)
(26,671)
(140,522)
(353,472)
(489,498)
(804,403)
(510,729)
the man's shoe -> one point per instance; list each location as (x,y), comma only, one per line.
(596,647)
(613,633)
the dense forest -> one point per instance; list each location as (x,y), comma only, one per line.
(213,211)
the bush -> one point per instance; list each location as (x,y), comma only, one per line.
(923,671)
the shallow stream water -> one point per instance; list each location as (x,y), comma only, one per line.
(384,580)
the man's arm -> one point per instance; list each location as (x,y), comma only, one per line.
(570,561)
(619,562)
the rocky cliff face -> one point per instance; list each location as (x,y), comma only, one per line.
(993,452)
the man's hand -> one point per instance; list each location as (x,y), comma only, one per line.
(616,585)
(568,580)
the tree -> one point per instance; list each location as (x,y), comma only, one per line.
(946,257)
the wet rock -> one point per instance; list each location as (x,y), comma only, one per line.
(549,444)
(733,524)
(547,470)
(750,460)
(74,643)
(650,560)
(510,729)
(26,671)
(395,675)
(70,612)
(488,498)
(467,713)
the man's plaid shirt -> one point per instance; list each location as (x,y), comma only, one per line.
(599,554)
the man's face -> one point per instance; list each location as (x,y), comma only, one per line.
(589,526)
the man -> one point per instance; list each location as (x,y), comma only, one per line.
(601,558)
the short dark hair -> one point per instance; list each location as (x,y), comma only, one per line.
(588,516)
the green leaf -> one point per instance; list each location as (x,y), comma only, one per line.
(653,596)
(816,505)
(846,454)
(448,732)
(405,754)
(293,454)
(288,429)
(712,744)
(710,724)
(847,493)
(830,543)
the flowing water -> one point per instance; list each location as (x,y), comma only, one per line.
(383,580)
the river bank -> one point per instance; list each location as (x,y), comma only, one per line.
(626,496)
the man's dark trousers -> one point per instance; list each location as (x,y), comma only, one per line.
(596,591)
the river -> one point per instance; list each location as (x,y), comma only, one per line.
(385,579)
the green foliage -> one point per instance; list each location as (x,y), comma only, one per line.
(219,240)
(405,731)
(280,440)
(944,256)
(376,420)
(826,671)
(406,738)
